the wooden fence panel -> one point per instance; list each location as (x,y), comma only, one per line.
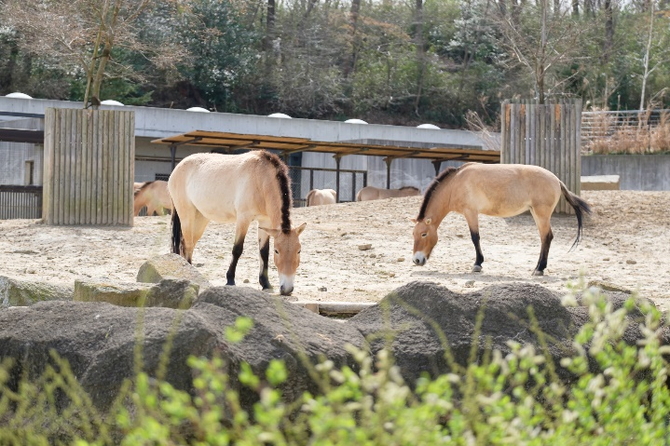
(89,164)
(546,135)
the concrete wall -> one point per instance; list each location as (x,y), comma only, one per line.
(21,163)
(636,172)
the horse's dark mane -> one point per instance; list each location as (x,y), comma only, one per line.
(146,184)
(433,186)
(409,187)
(284,187)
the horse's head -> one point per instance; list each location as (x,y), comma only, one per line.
(425,238)
(286,255)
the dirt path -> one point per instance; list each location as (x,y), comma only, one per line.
(626,242)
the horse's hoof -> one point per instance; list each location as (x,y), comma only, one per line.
(538,273)
(477,269)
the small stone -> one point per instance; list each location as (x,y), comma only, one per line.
(469,284)
(245,281)
(400,259)
(323,288)
(631,262)
(365,247)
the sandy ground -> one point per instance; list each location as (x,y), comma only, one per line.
(626,242)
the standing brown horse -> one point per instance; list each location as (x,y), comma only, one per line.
(240,189)
(318,197)
(501,190)
(154,195)
(376,193)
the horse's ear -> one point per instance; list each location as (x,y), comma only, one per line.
(271,232)
(300,228)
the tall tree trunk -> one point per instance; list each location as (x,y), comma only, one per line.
(647,57)
(608,44)
(270,26)
(353,23)
(420,53)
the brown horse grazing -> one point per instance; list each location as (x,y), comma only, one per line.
(237,188)
(501,190)
(376,193)
(154,195)
(317,197)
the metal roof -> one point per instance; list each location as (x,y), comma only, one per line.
(286,145)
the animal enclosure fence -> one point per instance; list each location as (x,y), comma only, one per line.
(20,202)
(545,135)
(89,167)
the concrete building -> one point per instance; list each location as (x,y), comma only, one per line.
(20,163)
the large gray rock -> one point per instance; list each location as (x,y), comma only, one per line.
(417,319)
(171,293)
(98,340)
(15,292)
(170,266)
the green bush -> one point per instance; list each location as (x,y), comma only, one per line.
(515,399)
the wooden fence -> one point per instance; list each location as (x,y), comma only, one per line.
(20,202)
(546,135)
(89,167)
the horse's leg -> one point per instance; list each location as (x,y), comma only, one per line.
(264,247)
(192,227)
(238,246)
(473,223)
(542,219)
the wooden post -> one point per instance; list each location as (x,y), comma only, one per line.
(546,135)
(89,167)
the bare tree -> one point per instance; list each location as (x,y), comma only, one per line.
(82,35)
(656,51)
(539,38)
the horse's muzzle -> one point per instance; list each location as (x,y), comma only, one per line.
(285,285)
(419,259)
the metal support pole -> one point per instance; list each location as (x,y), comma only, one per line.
(173,157)
(437,164)
(337,175)
(388,161)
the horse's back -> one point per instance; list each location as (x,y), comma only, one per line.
(218,186)
(505,189)
(368,193)
(318,197)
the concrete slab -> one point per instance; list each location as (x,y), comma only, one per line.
(600,182)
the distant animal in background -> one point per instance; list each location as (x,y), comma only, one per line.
(317,197)
(154,195)
(376,193)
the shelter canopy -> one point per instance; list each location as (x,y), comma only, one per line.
(229,142)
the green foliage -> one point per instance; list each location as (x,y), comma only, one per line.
(618,396)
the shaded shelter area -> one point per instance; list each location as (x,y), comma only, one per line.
(226,142)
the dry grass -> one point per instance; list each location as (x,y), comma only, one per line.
(641,137)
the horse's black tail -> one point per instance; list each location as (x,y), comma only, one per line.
(580,206)
(177,236)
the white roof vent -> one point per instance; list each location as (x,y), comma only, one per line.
(111,102)
(18,95)
(355,121)
(279,115)
(427,126)
(198,109)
